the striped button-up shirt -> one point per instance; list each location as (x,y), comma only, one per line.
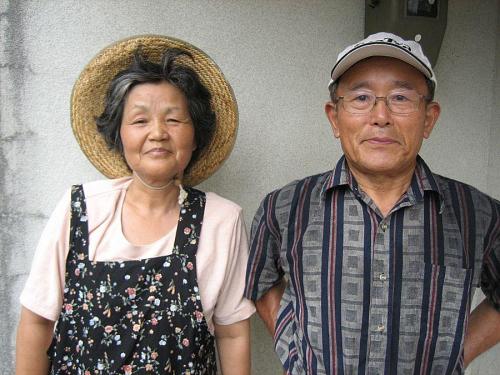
(368,294)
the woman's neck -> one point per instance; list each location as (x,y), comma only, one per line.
(147,215)
(155,186)
(154,200)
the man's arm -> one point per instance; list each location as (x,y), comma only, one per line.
(483,331)
(233,345)
(264,282)
(268,305)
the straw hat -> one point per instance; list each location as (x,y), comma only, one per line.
(87,103)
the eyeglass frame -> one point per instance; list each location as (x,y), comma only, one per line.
(384,98)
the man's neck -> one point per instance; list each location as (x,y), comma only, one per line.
(385,189)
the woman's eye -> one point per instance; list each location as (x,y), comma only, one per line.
(139,121)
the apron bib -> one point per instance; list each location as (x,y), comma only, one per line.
(133,317)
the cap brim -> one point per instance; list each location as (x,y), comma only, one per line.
(378,49)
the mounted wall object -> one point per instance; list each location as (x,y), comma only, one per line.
(421,20)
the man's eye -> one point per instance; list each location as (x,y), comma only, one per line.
(361,98)
(399,98)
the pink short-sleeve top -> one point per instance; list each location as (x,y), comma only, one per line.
(221,257)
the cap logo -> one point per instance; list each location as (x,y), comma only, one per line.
(405,46)
(385,40)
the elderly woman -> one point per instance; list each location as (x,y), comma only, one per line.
(139,274)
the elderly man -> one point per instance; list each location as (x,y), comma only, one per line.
(370,268)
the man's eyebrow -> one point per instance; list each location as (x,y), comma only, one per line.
(366,85)
(359,85)
(404,85)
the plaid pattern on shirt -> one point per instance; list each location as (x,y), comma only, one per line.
(372,295)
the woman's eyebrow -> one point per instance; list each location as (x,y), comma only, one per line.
(141,107)
(169,110)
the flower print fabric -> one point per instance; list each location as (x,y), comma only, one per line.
(133,317)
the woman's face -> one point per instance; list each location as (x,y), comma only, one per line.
(157,132)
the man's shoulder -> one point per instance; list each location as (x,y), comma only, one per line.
(460,191)
(311,185)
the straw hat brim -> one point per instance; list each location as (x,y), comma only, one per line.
(89,91)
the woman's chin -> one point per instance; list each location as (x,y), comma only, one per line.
(156,177)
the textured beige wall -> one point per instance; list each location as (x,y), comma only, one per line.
(489,362)
(494,157)
(277,56)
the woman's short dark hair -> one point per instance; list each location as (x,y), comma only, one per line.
(168,70)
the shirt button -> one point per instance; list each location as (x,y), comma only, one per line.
(383,227)
(380,328)
(382,277)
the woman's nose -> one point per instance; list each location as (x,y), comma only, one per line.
(159,130)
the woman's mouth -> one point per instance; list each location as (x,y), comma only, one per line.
(157,151)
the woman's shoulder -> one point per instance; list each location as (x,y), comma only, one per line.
(105,187)
(222,205)
(221,212)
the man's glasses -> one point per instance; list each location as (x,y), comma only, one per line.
(401,102)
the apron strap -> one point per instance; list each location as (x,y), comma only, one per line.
(190,223)
(79,230)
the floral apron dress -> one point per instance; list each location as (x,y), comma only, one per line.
(133,317)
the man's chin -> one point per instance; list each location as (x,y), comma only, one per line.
(385,166)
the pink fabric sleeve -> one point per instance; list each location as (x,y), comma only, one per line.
(43,291)
(231,306)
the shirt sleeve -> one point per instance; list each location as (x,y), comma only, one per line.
(231,305)
(490,273)
(264,268)
(43,291)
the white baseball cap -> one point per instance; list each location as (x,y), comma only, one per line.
(383,44)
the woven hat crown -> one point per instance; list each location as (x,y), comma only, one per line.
(89,91)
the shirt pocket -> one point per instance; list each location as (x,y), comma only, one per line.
(434,307)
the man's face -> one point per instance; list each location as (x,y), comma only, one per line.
(381,142)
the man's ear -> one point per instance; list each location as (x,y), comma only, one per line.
(331,114)
(432,111)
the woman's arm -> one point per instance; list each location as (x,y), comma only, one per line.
(233,345)
(34,335)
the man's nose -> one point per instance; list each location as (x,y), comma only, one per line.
(381,114)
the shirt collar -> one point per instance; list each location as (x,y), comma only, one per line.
(422,180)
(339,176)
